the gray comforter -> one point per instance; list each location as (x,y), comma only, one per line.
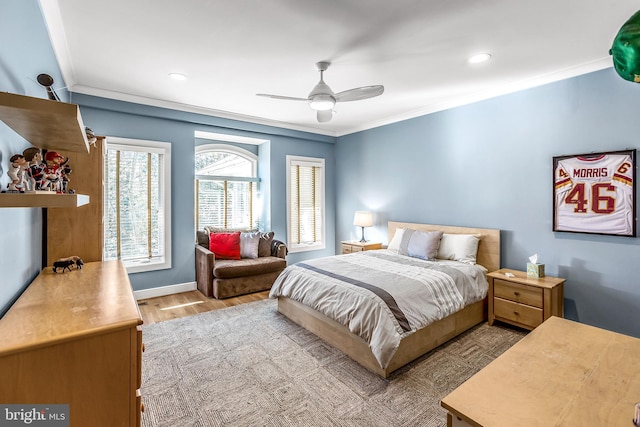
(380,295)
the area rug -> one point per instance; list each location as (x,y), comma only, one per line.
(248,365)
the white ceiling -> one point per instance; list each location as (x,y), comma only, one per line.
(232,49)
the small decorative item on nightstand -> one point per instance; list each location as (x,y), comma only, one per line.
(534,268)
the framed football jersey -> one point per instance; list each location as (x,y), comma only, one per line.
(595,193)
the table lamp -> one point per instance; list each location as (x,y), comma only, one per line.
(363,219)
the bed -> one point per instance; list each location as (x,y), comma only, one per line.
(412,343)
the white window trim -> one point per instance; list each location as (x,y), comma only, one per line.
(163,148)
(232,150)
(298,247)
(214,136)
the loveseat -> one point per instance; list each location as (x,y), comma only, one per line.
(252,272)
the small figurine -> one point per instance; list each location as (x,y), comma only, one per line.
(67,263)
(53,172)
(16,173)
(65,171)
(91,136)
(79,263)
(35,171)
(64,265)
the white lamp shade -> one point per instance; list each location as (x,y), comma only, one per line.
(363,219)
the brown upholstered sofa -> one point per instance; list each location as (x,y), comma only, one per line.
(224,278)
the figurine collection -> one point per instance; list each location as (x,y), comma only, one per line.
(38,171)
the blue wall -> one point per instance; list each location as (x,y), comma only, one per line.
(489,165)
(25,52)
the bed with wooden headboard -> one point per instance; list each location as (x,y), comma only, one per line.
(421,340)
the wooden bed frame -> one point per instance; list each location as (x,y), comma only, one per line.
(418,343)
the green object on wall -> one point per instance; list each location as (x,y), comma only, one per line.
(626,50)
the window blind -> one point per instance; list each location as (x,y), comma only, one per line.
(306,204)
(132,199)
(225,203)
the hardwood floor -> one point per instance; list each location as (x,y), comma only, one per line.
(174,306)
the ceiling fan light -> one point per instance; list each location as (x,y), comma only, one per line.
(479,58)
(322,102)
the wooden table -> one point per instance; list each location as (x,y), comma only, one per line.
(563,373)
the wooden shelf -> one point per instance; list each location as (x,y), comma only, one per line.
(39,200)
(47,124)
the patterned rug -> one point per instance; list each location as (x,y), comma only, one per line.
(248,365)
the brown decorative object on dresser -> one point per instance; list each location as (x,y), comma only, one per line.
(349,246)
(522,300)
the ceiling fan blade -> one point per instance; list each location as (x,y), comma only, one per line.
(287,98)
(359,93)
(325,115)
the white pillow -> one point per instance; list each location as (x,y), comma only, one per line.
(415,243)
(249,243)
(394,244)
(459,247)
(424,244)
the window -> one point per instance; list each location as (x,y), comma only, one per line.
(226,187)
(137,204)
(305,204)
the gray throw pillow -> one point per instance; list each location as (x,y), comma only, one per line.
(264,247)
(249,243)
(202,237)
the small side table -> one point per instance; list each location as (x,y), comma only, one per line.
(349,246)
(524,301)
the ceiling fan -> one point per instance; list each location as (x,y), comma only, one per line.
(322,98)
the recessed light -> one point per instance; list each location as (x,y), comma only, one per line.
(481,57)
(177,76)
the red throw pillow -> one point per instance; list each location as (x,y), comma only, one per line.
(225,245)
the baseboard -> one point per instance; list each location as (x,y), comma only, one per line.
(164,290)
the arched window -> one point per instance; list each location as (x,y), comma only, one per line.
(226,187)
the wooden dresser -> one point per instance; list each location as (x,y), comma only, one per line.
(75,338)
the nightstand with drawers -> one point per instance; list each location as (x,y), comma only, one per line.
(524,301)
(349,246)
